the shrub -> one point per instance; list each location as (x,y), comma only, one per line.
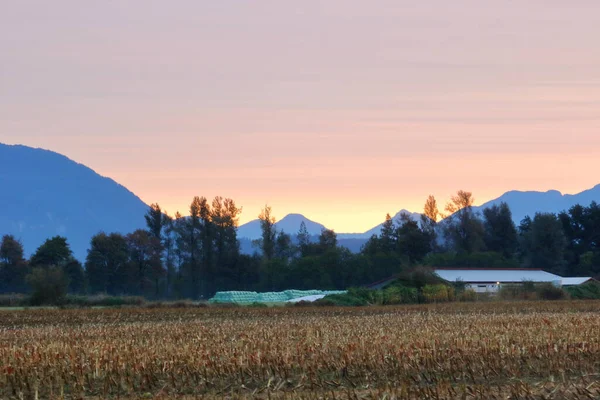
(13,300)
(400,295)
(547,291)
(437,293)
(517,292)
(587,291)
(353,298)
(48,286)
(467,295)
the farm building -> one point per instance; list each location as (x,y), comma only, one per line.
(576,281)
(490,279)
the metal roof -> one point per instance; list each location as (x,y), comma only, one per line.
(574,281)
(505,275)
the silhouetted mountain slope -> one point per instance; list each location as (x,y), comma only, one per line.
(44,194)
(528,203)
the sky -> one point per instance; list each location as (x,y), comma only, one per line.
(342,110)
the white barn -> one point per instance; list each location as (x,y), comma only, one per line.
(576,281)
(489,280)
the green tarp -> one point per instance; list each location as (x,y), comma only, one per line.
(267,297)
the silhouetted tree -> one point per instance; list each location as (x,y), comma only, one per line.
(13,266)
(106,264)
(303,239)
(544,243)
(500,231)
(145,269)
(386,236)
(269,233)
(55,251)
(411,241)
(464,231)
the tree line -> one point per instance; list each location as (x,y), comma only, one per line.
(196,255)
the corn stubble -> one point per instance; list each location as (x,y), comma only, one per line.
(453,351)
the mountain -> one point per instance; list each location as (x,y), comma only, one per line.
(45,194)
(289,224)
(528,203)
(396,218)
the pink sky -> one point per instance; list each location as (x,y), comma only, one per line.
(342,110)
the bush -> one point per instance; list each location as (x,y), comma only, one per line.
(437,293)
(419,277)
(13,300)
(517,292)
(400,295)
(532,291)
(354,298)
(587,291)
(48,286)
(467,295)
(547,291)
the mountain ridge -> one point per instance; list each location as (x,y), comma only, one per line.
(50,194)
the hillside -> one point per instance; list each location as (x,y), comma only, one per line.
(528,203)
(46,194)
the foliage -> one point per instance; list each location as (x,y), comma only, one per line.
(48,285)
(587,291)
(474,260)
(437,293)
(532,291)
(193,257)
(500,231)
(544,243)
(548,291)
(13,266)
(467,295)
(54,252)
(14,300)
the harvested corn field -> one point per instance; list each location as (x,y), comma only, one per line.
(528,350)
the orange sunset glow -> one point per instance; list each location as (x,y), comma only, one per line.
(340,110)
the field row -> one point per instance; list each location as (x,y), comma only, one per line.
(477,351)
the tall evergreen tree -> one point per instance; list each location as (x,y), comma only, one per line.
(193,245)
(386,237)
(544,244)
(500,231)
(269,233)
(411,241)
(303,239)
(225,218)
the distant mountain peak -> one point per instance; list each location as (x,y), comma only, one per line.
(289,224)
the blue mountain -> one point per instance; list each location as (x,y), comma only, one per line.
(523,204)
(44,194)
(289,224)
